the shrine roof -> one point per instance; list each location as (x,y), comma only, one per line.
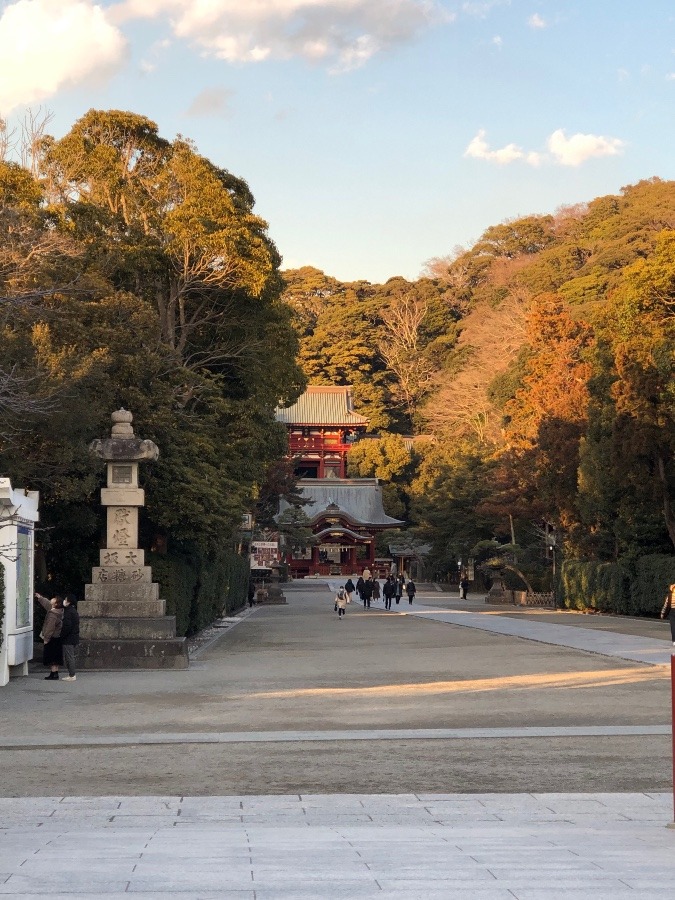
(321,405)
(359,499)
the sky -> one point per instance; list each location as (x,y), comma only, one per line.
(374,134)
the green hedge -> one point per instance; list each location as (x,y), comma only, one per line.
(648,587)
(199,587)
(635,590)
(593,585)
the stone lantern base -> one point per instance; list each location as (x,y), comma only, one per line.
(122,619)
(126,628)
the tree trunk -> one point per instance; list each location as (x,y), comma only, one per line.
(520,575)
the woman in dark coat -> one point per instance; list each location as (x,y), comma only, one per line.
(52,655)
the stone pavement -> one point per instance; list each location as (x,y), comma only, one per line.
(294,704)
(427,846)
(636,648)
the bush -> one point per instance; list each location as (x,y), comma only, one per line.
(616,588)
(199,587)
(177,579)
(585,584)
(648,587)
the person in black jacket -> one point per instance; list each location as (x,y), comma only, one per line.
(388,590)
(70,635)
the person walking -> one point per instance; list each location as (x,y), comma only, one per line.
(376,589)
(388,591)
(367,592)
(411,590)
(70,635)
(463,587)
(52,654)
(669,610)
(349,587)
(341,602)
(400,584)
(359,588)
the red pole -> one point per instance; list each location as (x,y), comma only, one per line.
(672,691)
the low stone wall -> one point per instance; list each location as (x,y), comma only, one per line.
(544,599)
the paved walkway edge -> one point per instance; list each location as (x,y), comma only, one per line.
(269,737)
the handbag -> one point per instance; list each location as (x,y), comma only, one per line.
(335,607)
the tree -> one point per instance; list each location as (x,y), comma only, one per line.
(135,273)
(294,525)
(402,350)
(639,329)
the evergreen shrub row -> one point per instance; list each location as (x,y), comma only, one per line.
(199,587)
(616,587)
(648,586)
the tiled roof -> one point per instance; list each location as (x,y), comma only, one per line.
(322,406)
(360,499)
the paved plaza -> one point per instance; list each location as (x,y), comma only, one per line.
(478,847)
(446,749)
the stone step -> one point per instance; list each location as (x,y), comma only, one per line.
(129,654)
(128,628)
(128,575)
(93,609)
(127,592)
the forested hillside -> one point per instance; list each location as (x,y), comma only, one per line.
(134,272)
(539,363)
(521,391)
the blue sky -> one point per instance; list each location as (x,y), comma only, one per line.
(374,134)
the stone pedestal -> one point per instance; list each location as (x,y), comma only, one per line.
(123,621)
(498,593)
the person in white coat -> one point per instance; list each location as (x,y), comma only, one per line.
(341,602)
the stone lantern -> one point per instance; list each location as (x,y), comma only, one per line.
(123,622)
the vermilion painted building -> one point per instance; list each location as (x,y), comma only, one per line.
(346,513)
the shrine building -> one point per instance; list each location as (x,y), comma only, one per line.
(346,513)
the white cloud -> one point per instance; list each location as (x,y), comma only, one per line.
(482,8)
(480,149)
(497,41)
(342,33)
(578,148)
(151,61)
(49,44)
(536,21)
(563,151)
(211,102)
(670,76)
